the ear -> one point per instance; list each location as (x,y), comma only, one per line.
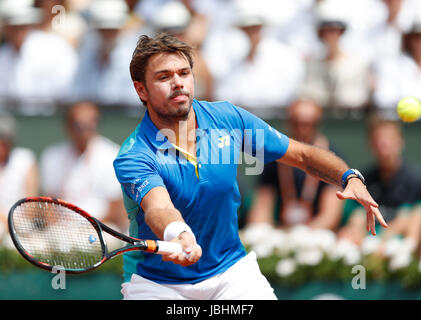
(141,90)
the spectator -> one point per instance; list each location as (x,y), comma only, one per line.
(296,197)
(80,170)
(59,20)
(413,231)
(401,76)
(176,19)
(134,21)
(385,39)
(102,75)
(36,68)
(18,173)
(269,74)
(336,79)
(393,182)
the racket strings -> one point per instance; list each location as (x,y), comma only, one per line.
(56,235)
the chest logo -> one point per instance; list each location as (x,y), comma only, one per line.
(223,141)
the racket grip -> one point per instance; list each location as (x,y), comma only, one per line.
(169,247)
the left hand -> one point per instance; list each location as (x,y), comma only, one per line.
(357,191)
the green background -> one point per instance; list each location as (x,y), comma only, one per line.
(349,137)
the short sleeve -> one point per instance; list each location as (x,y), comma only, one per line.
(137,175)
(260,139)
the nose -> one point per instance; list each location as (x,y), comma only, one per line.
(177,82)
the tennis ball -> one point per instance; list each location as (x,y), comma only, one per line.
(409,109)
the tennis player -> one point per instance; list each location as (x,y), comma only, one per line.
(178,175)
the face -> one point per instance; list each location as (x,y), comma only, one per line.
(82,124)
(387,145)
(304,118)
(393,6)
(415,45)
(5,147)
(330,35)
(253,33)
(16,35)
(169,87)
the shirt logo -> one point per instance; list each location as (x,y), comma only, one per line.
(223,141)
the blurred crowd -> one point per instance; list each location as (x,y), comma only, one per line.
(356,55)
(295,58)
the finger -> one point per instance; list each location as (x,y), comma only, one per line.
(379,217)
(195,255)
(367,221)
(373,223)
(344,195)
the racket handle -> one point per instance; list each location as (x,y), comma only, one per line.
(169,247)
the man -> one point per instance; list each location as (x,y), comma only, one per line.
(335,78)
(79,170)
(36,68)
(178,172)
(296,197)
(390,85)
(18,173)
(103,55)
(391,180)
(254,81)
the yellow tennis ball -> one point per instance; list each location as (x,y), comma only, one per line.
(409,109)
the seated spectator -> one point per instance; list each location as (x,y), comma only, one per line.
(335,79)
(394,184)
(287,196)
(80,169)
(135,21)
(175,18)
(59,20)
(36,68)
(18,173)
(385,39)
(391,85)
(268,74)
(105,52)
(414,225)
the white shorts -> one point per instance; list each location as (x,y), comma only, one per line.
(242,281)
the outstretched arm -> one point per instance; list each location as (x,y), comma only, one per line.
(327,166)
(159,213)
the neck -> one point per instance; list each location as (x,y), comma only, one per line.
(333,54)
(181,132)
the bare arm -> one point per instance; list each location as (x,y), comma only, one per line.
(326,166)
(159,213)
(116,214)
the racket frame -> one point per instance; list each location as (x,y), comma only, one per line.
(134,243)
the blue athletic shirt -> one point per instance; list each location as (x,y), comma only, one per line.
(207,195)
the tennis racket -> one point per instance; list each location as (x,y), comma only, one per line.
(52,233)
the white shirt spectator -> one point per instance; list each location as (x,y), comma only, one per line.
(41,71)
(384,39)
(13,177)
(86,180)
(272,79)
(342,83)
(396,78)
(107,84)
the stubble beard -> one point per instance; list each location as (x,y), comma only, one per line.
(180,114)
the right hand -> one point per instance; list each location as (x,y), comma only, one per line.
(191,251)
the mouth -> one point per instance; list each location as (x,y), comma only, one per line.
(179,96)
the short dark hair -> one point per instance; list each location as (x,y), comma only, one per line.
(376,121)
(147,47)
